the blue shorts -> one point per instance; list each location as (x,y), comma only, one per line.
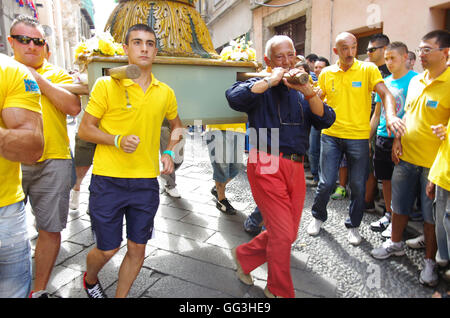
(113,198)
(407,180)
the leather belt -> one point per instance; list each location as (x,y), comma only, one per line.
(294,157)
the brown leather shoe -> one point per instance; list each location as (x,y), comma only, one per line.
(268,294)
(244,278)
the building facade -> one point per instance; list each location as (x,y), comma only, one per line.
(314,24)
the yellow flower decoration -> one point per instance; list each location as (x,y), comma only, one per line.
(102,44)
(238,50)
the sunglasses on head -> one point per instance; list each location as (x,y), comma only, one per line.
(26,40)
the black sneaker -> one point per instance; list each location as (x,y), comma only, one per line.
(214,192)
(225,207)
(96,291)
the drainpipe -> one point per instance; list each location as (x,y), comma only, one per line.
(331,29)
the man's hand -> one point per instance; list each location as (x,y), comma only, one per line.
(395,126)
(129,143)
(430,190)
(305,89)
(168,165)
(397,150)
(440,131)
(277,76)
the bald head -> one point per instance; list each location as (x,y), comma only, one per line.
(345,38)
(346,47)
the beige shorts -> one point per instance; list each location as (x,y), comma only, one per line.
(47,185)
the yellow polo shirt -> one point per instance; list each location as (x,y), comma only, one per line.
(425,105)
(142,116)
(440,170)
(18,89)
(349,94)
(232,127)
(55,124)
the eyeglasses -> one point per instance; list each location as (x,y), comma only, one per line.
(427,50)
(294,123)
(26,40)
(373,49)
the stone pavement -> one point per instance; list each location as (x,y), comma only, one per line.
(190,255)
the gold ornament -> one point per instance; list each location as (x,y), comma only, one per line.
(179,28)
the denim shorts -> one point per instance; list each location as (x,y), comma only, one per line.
(407,180)
(226,150)
(15,252)
(113,198)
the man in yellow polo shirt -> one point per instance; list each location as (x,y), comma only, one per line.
(347,87)
(439,188)
(46,183)
(427,104)
(124,118)
(21,140)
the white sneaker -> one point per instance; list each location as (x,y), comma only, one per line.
(388,249)
(172,192)
(388,232)
(74,200)
(416,243)
(428,275)
(353,236)
(314,227)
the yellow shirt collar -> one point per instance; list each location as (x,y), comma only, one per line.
(129,82)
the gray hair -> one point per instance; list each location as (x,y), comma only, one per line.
(275,40)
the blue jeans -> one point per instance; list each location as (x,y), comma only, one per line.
(15,252)
(331,152)
(252,223)
(314,152)
(442,218)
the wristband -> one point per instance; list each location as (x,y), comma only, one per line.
(170,153)
(116,141)
(310,96)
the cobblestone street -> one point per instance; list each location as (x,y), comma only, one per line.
(190,255)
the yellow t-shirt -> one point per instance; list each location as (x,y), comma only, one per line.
(232,127)
(142,116)
(349,94)
(425,105)
(440,170)
(18,89)
(55,125)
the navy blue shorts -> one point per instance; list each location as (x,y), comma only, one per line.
(113,198)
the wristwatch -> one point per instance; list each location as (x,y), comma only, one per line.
(267,80)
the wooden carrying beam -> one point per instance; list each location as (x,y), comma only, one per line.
(299,78)
(130,71)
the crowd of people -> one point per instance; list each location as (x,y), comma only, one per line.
(363,122)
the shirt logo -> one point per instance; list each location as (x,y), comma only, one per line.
(432,103)
(31,86)
(356,84)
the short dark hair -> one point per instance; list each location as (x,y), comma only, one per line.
(139,27)
(323,59)
(399,46)
(442,37)
(27,20)
(380,38)
(412,55)
(312,57)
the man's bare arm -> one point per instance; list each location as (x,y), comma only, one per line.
(64,100)
(394,125)
(23,138)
